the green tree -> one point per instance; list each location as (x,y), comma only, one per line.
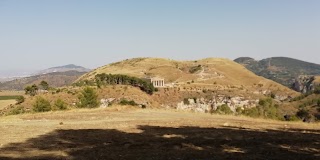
(44,85)
(41,105)
(88,98)
(59,104)
(31,90)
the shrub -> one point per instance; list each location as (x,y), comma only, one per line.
(252,112)
(17,110)
(31,90)
(41,105)
(224,109)
(88,98)
(59,104)
(127,102)
(303,114)
(44,85)
(20,99)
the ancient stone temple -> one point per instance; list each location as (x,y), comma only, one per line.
(156,81)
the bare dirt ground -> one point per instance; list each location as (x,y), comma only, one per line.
(127,133)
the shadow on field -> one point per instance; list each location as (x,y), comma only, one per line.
(168,143)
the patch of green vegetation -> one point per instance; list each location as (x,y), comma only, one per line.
(41,105)
(20,99)
(118,79)
(17,110)
(9,97)
(88,98)
(59,104)
(31,90)
(223,109)
(127,102)
(266,109)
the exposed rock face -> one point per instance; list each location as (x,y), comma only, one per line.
(104,103)
(205,105)
(304,84)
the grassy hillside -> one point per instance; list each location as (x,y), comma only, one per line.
(56,79)
(280,69)
(211,73)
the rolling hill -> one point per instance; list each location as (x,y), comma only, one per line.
(55,79)
(65,68)
(212,73)
(283,70)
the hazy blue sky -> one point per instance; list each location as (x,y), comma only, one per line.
(41,34)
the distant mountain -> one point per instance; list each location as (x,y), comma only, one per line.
(55,79)
(283,70)
(70,67)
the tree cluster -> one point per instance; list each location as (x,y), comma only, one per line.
(110,79)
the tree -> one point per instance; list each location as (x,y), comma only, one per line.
(31,90)
(41,105)
(318,103)
(44,85)
(88,98)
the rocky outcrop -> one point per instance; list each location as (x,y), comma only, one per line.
(304,84)
(208,105)
(104,103)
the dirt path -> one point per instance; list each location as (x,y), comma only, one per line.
(124,133)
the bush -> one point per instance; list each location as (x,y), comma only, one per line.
(31,90)
(224,109)
(17,110)
(59,104)
(252,112)
(20,99)
(303,114)
(88,98)
(41,105)
(127,102)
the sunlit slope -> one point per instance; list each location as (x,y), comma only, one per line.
(208,73)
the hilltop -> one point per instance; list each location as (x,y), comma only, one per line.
(65,68)
(283,70)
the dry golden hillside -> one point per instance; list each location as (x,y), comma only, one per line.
(317,79)
(211,73)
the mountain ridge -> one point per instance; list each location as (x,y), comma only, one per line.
(283,70)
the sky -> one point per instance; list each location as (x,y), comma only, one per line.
(38,34)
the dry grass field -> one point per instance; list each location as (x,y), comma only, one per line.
(5,103)
(130,133)
(11,93)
